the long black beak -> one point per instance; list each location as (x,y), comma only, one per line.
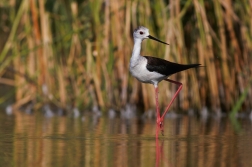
(155,39)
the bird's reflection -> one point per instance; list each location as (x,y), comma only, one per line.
(160,149)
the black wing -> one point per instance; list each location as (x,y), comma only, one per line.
(165,67)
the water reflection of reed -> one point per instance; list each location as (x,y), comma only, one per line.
(188,141)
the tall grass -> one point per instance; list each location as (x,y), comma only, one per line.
(76,54)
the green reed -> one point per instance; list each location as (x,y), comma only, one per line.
(76,54)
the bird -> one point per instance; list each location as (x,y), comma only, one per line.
(153,70)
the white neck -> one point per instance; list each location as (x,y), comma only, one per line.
(136,51)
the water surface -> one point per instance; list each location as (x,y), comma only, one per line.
(35,140)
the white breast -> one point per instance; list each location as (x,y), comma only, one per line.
(138,70)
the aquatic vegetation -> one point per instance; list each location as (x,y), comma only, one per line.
(76,53)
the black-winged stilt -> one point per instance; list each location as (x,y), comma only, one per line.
(153,70)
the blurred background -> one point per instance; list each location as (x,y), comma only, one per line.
(71,58)
(75,54)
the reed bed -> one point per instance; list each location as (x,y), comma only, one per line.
(75,54)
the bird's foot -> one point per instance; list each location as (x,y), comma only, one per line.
(160,123)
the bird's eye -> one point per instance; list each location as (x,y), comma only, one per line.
(141,32)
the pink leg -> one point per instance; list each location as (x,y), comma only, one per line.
(157,111)
(157,105)
(175,95)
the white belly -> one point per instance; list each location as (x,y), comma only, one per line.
(139,71)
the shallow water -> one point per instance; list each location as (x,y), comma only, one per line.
(34,140)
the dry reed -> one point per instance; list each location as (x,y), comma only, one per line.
(77,54)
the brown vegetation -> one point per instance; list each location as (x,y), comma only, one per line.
(77,53)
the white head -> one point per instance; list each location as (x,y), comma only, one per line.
(143,33)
